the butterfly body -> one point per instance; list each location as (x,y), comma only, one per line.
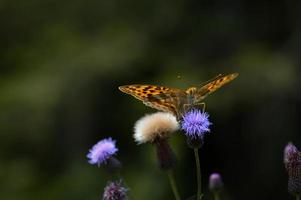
(175,100)
(191,94)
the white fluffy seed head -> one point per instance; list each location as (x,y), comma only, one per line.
(151,126)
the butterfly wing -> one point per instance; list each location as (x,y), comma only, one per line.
(213,85)
(158,97)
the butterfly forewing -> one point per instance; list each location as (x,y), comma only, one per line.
(142,92)
(158,97)
(214,85)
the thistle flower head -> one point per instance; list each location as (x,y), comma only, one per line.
(290,152)
(215,182)
(115,191)
(102,151)
(156,129)
(292,162)
(153,126)
(195,124)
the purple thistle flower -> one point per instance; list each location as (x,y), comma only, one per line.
(115,191)
(215,182)
(290,151)
(195,124)
(102,151)
(292,162)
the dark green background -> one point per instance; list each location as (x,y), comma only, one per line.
(62,61)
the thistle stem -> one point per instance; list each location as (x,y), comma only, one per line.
(297,196)
(216,196)
(173,184)
(198,172)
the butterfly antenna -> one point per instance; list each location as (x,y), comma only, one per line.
(212,79)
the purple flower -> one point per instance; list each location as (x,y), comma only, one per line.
(215,182)
(115,191)
(290,151)
(292,162)
(102,151)
(195,124)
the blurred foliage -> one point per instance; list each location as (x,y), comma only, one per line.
(62,61)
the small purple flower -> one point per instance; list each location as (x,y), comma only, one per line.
(292,162)
(215,182)
(195,124)
(115,191)
(290,151)
(102,151)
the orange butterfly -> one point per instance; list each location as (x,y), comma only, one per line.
(173,100)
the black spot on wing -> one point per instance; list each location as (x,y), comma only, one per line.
(147,88)
(151,97)
(156,97)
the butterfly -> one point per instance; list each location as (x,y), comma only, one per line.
(173,100)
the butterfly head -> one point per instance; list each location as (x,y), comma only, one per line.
(191,95)
(191,91)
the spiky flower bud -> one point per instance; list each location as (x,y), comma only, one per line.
(215,183)
(115,191)
(292,162)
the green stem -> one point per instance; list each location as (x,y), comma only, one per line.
(173,184)
(216,196)
(198,173)
(297,196)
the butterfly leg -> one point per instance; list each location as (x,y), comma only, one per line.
(210,80)
(187,107)
(201,104)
